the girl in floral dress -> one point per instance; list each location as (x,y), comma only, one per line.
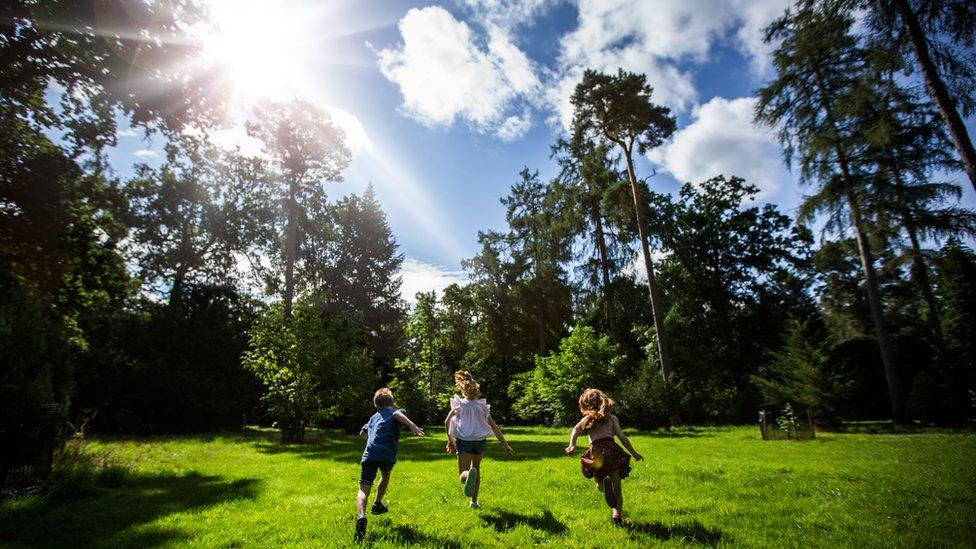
(604,461)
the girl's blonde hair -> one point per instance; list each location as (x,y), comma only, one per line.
(595,406)
(468,386)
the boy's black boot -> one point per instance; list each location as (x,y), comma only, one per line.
(360,530)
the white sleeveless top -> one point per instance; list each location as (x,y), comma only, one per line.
(470,421)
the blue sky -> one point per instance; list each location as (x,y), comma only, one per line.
(445,102)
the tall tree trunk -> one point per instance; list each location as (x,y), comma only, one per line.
(291,244)
(657,309)
(941,352)
(938,91)
(898,408)
(601,246)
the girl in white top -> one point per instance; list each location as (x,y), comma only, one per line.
(468,426)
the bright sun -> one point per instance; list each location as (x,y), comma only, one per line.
(261,45)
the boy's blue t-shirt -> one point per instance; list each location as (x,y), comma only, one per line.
(384,436)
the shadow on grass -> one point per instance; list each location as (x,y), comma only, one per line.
(503,521)
(401,534)
(350,449)
(692,532)
(119,516)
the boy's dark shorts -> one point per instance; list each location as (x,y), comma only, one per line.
(476,447)
(367,473)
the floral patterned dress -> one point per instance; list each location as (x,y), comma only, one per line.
(604,457)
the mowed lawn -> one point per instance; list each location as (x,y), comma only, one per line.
(716,486)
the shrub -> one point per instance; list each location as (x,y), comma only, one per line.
(314,367)
(550,392)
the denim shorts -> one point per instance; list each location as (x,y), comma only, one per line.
(476,447)
(367,473)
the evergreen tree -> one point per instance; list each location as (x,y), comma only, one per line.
(935,37)
(618,109)
(351,264)
(956,284)
(819,66)
(588,175)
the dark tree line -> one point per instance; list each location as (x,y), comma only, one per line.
(146,304)
(743,307)
(220,287)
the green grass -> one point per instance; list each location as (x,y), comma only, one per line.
(718,486)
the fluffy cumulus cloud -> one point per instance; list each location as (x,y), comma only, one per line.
(450,70)
(419,276)
(145,154)
(651,36)
(445,75)
(722,140)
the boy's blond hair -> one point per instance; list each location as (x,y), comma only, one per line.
(383,398)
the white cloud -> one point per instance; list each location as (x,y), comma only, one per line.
(722,140)
(145,153)
(651,36)
(128,132)
(514,127)
(444,75)
(507,14)
(419,276)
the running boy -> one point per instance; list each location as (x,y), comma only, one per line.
(383,435)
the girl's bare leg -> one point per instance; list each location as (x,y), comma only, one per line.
(619,509)
(476,463)
(464,464)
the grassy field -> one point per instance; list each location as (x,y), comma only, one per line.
(718,486)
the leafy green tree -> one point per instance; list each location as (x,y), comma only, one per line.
(314,367)
(819,68)
(552,389)
(618,109)
(108,56)
(734,276)
(196,216)
(306,149)
(174,367)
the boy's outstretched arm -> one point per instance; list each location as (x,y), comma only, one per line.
(447,427)
(624,440)
(572,438)
(498,433)
(402,418)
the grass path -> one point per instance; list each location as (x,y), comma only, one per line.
(718,486)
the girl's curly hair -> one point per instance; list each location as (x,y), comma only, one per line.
(596,408)
(468,386)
